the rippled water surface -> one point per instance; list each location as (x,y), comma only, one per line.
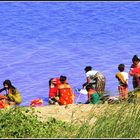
(41,40)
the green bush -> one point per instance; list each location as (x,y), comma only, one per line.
(19,123)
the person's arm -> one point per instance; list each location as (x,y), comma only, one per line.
(131,72)
(127,77)
(14,95)
(3,97)
(2,89)
(89,97)
(15,98)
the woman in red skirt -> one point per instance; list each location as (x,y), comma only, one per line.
(64,92)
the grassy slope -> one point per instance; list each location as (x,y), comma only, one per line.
(115,121)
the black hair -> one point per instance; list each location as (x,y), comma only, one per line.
(135,58)
(2,89)
(63,78)
(8,82)
(50,81)
(121,67)
(88,68)
(89,86)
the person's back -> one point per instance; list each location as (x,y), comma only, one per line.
(93,96)
(65,92)
(53,86)
(125,75)
(91,76)
(122,78)
(123,82)
(97,79)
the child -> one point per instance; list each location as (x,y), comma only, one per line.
(123,82)
(93,96)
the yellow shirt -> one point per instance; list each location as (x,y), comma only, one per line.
(16,97)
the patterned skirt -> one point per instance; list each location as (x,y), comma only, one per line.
(100,83)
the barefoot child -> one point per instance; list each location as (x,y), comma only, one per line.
(123,82)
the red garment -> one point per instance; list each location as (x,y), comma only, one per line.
(54,87)
(66,95)
(2,105)
(3,97)
(36,102)
(56,81)
(123,92)
(135,71)
(53,91)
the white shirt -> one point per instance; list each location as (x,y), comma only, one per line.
(91,73)
(125,75)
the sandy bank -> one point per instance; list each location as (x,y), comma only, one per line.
(79,113)
(71,113)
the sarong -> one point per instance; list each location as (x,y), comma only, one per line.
(123,92)
(100,83)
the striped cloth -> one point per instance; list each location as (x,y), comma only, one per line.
(100,85)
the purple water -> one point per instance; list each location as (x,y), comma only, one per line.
(42,40)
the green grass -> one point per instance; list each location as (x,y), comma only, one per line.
(123,123)
(19,123)
(118,121)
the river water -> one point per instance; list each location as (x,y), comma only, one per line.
(42,40)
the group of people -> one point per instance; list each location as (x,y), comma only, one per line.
(60,92)
(123,76)
(95,84)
